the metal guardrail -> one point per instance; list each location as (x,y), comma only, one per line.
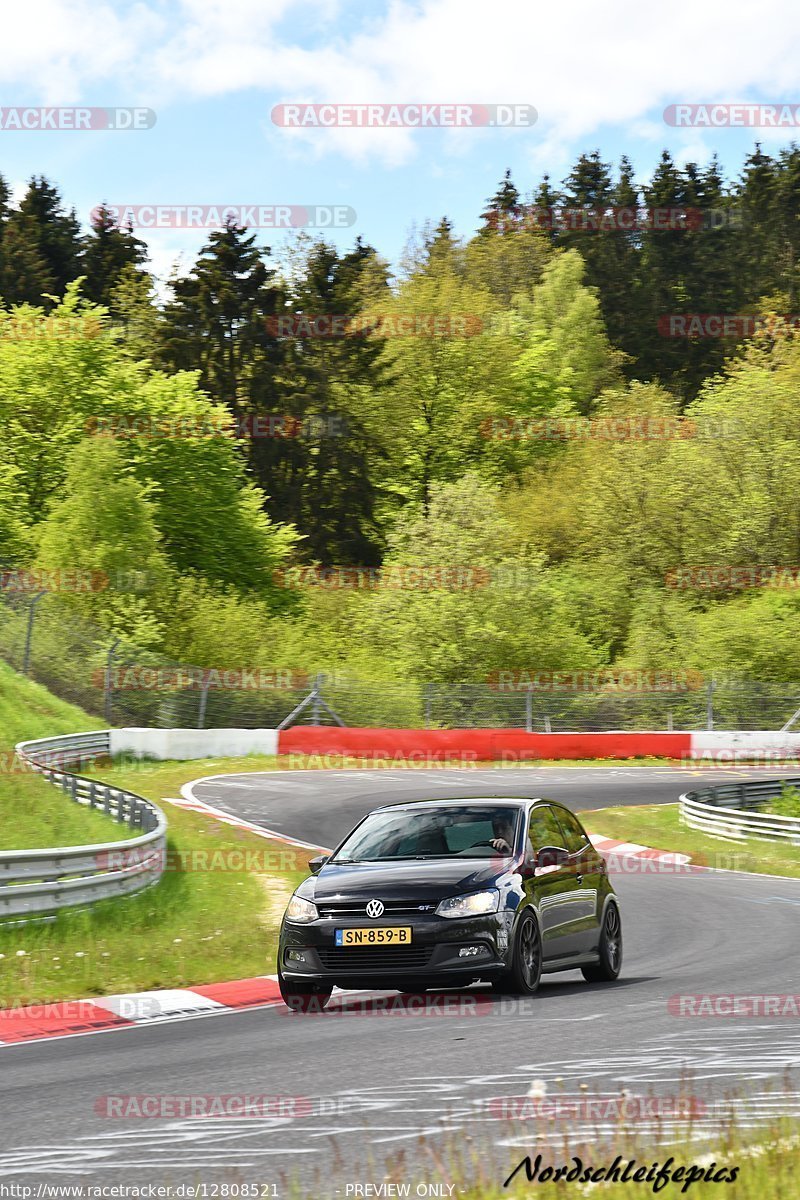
(40,881)
(731,812)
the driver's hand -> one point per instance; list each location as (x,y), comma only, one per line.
(501,844)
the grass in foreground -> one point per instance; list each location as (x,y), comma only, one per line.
(28,710)
(34,814)
(198,925)
(658,825)
(214,916)
(474,1165)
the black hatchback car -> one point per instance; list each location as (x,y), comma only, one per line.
(445,893)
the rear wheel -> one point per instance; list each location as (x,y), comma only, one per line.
(522,979)
(610,950)
(304,997)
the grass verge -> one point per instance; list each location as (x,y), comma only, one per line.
(35,814)
(765,1170)
(658,825)
(28,710)
(214,916)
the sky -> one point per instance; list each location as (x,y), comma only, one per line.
(598,74)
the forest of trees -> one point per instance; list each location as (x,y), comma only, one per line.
(386,450)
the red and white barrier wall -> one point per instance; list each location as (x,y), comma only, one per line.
(478,745)
(487,745)
(472,745)
(193,743)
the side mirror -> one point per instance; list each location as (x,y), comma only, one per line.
(528,868)
(315,865)
(551,856)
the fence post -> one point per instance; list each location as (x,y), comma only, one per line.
(201,716)
(315,706)
(26,658)
(428,690)
(529,710)
(109,690)
(710,704)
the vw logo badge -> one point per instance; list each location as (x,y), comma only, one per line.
(375,908)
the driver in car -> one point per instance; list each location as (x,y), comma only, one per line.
(503,834)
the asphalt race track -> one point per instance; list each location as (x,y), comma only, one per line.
(367,1086)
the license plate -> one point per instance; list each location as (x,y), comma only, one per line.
(396,936)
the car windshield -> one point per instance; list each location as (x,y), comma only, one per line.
(478,831)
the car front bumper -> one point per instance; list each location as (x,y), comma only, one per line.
(441,948)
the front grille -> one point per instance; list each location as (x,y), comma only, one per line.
(391,908)
(371,958)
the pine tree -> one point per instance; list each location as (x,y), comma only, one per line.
(42,246)
(321,479)
(503,209)
(547,203)
(107,252)
(216,321)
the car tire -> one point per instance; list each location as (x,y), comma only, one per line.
(304,997)
(522,979)
(610,949)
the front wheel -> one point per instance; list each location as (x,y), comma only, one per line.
(526,969)
(610,950)
(304,997)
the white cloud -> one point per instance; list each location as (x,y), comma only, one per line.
(593,65)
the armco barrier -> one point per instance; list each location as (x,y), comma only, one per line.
(39,881)
(479,745)
(731,812)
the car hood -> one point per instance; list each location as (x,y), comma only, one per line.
(414,880)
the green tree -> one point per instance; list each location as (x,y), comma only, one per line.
(568,357)
(321,480)
(104,527)
(508,616)
(43,239)
(109,255)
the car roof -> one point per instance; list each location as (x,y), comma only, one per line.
(445,802)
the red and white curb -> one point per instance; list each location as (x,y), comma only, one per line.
(611,849)
(74,1018)
(70,1017)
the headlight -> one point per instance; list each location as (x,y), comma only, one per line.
(474,904)
(301,910)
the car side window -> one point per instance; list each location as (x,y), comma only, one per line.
(574,832)
(544,829)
